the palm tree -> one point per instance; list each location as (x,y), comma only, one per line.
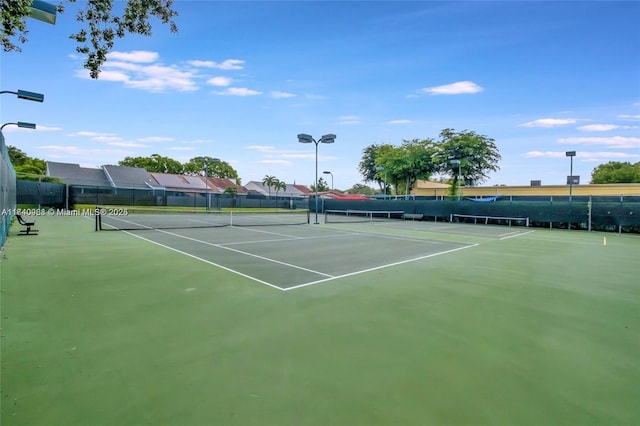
(269,181)
(278,185)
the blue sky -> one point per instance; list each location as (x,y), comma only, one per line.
(241,79)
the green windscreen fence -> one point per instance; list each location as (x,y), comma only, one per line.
(7,191)
(41,194)
(584,212)
(97,195)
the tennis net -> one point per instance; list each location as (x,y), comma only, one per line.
(342,216)
(131,219)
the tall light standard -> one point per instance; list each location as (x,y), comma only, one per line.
(456,161)
(329,173)
(304,138)
(380,169)
(205,160)
(570,154)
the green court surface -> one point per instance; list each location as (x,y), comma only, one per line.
(389,323)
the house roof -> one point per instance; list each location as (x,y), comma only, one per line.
(221,184)
(173,181)
(73,174)
(127,177)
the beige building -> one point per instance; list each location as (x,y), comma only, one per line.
(430,189)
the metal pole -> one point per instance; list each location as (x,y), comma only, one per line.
(316,142)
(571,179)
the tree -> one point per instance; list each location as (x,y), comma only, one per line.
(155,163)
(359,188)
(280,185)
(322,185)
(29,168)
(478,155)
(212,166)
(616,172)
(368,167)
(100,25)
(405,164)
(269,181)
(232,190)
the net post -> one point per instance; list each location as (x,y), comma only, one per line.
(98,219)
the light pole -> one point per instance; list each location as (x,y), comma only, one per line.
(205,160)
(329,173)
(304,138)
(570,154)
(456,161)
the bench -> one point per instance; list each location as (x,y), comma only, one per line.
(27,224)
(412,216)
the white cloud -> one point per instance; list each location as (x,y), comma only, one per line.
(399,122)
(159,78)
(281,95)
(598,127)
(550,122)
(140,56)
(108,139)
(89,134)
(627,117)
(155,139)
(219,81)
(620,142)
(181,148)
(550,154)
(228,64)
(458,88)
(238,91)
(47,128)
(349,119)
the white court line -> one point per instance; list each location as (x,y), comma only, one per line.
(206,261)
(245,253)
(376,268)
(329,277)
(519,234)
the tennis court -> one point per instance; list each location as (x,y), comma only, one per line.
(259,245)
(375,323)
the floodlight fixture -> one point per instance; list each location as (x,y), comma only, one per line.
(22,124)
(24,94)
(43,11)
(328,138)
(304,138)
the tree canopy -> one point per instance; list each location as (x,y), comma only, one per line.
(402,166)
(101,25)
(616,172)
(478,156)
(27,167)
(155,163)
(322,185)
(210,166)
